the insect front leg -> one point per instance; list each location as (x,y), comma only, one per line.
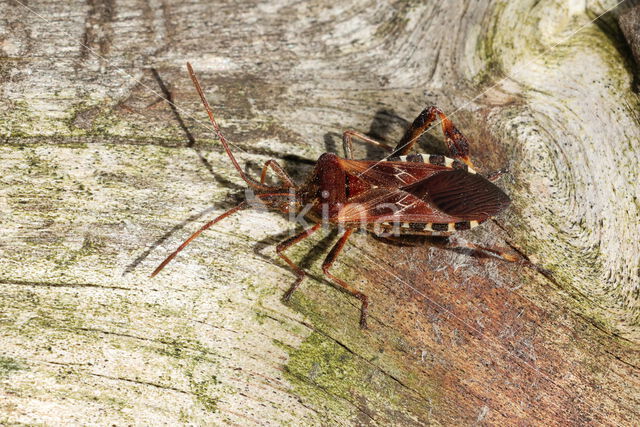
(278,170)
(326,265)
(347,137)
(282,246)
(457,143)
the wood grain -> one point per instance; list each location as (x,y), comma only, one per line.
(102,178)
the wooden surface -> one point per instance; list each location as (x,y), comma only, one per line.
(102,178)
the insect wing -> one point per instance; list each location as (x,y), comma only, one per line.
(448,196)
(383,205)
(390,174)
(461,195)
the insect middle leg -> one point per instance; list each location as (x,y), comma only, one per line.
(326,265)
(347,145)
(282,246)
(457,144)
(278,170)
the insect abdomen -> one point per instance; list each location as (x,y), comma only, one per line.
(434,159)
(420,228)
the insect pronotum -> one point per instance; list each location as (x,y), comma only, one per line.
(404,194)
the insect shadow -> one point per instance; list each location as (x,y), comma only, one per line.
(318,250)
(132,266)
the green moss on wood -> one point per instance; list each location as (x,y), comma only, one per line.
(341,383)
(9,365)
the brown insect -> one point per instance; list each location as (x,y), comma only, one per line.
(401,195)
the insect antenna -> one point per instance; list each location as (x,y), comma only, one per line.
(196,234)
(251,182)
(208,225)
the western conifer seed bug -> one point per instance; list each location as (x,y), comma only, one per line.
(404,194)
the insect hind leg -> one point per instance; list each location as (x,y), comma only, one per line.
(275,166)
(457,143)
(499,253)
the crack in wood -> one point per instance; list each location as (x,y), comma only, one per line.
(62,285)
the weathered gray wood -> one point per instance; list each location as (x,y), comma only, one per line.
(102,178)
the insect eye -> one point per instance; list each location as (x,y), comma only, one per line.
(325,194)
